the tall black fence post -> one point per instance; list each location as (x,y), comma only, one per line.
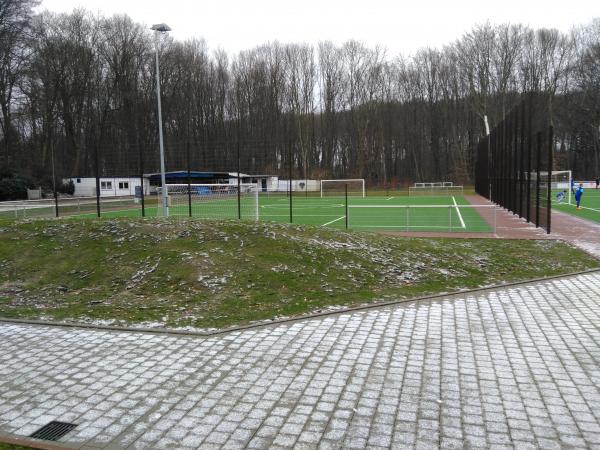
(529,135)
(499,171)
(346,192)
(496,164)
(189,178)
(538,177)
(489,166)
(508,160)
(506,163)
(55,193)
(550,168)
(290,168)
(498,167)
(515,162)
(97,170)
(522,162)
(142,194)
(239,197)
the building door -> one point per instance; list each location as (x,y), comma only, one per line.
(263,184)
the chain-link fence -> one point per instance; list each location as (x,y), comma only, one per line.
(129,183)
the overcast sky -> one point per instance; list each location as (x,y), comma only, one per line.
(403,26)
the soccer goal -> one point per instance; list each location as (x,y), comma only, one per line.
(415,191)
(560,184)
(212,200)
(336,188)
(435,184)
(560,181)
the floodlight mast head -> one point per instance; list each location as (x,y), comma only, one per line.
(161,27)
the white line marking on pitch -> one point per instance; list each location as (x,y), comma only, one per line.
(389,198)
(462,222)
(583,207)
(586,207)
(443,227)
(329,223)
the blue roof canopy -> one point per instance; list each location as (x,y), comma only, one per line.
(183,174)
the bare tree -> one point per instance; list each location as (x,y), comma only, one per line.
(82,88)
(15,20)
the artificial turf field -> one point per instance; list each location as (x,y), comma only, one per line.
(590,205)
(393,213)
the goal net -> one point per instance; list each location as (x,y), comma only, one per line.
(212,201)
(435,184)
(560,184)
(414,191)
(336,188)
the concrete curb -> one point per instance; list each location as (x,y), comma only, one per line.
(262,324)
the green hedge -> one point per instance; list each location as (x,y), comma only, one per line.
(13,186)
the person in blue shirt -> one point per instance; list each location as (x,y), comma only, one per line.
(578,195)
(560,196)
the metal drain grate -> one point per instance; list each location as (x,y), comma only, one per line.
(53,431)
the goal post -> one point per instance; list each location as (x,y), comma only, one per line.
(435,190)
(212,201)
(434,183)
(560,181)
(356,187)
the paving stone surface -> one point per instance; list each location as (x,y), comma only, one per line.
(517,367)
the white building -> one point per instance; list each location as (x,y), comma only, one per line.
(109,186)
(126,186)
(266,183)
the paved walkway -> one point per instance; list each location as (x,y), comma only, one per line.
(582,233)
(507,224)
(517,367)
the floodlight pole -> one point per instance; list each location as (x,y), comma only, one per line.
(489,159)
(161,28)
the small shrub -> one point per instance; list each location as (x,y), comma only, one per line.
(13,186)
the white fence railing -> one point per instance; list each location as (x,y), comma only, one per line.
(67,206)
(440,218)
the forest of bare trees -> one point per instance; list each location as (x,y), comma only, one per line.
(77,91)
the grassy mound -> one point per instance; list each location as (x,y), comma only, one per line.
(187,273)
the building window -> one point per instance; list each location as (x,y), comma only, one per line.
(106,185)
(123,184)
